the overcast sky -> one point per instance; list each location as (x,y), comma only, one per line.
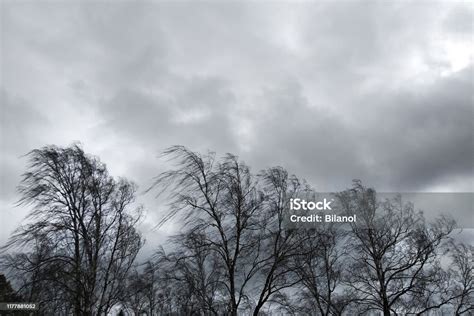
(332,91)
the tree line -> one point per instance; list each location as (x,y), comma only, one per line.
(233,255)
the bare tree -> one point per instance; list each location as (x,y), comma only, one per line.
(35,280)
(134,299)
(240,217)
(234,255)
(462,276)
(7,293)
(394,252)
(278,244)
(84,218)
(320,266)
(220,200)
(198,267)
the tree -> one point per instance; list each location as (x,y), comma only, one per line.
(234,254)
(320,267)
(7,294)
(197,267)
(462,276)
(395,253)
(278,244)
(220,200)
(238,216)
(81,232)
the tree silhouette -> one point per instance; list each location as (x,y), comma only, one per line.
(462,277)
(395,253)
(233,253)
(7,294)
(320,267)
(81,239)
(238,216)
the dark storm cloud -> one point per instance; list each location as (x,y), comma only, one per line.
(403,140)
(312,142)
(422,137)
(331,90)
(196,113)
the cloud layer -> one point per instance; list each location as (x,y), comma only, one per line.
(332,91)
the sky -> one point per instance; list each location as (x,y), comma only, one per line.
(332,91)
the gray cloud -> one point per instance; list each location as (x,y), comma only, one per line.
(19,125)
(332,91)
